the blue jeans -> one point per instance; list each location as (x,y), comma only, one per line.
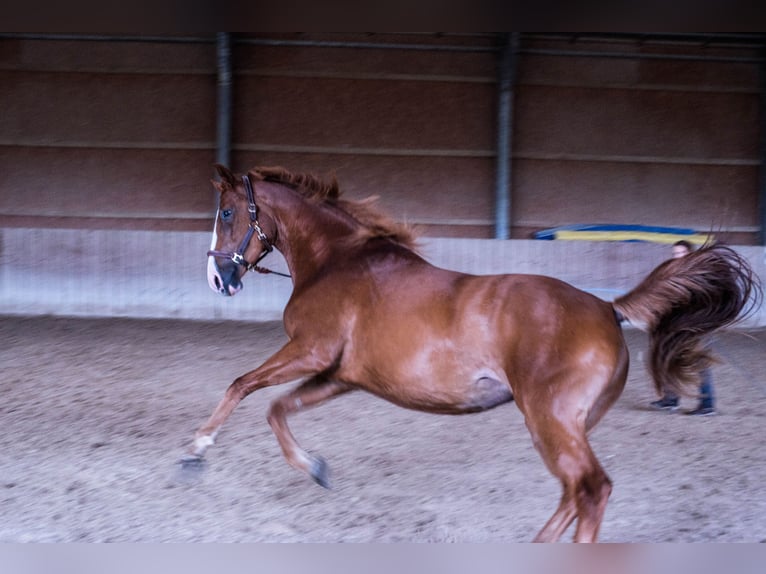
(707,396)
(706,393)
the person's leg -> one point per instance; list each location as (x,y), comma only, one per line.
(707,397)
(706,404)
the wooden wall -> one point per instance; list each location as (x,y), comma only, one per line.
(120,134)
(653,133)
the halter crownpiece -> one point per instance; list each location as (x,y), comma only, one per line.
(254,227)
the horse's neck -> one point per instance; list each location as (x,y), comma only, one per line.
(309,236)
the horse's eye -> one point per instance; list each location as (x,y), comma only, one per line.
(226,215)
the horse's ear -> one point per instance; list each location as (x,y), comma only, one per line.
(224,173)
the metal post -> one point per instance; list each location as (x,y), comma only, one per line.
(506,78)
(223,104)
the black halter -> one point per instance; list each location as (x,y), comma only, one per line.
(254,228)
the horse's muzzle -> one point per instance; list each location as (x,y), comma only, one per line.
(223,279)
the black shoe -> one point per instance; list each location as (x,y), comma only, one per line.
(702,412)
(665,404)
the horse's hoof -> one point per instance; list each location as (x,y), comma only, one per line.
(320,472)
(192,461)
(189,469)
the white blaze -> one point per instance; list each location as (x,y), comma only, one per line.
(212,272)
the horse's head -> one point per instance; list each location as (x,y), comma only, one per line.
(242,234)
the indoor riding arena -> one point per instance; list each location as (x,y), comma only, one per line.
(578,156)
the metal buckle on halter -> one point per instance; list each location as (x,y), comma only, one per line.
(239,259)
(260,234)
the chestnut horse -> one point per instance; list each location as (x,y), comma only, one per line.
(367,312)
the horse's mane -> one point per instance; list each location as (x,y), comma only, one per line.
(374,222)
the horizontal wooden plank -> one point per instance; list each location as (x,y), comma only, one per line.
(106,108)
(175,184)
(110,54)
(693,196)
(386,59)
(106,183)
(365,114)
(409,188)
(625,123)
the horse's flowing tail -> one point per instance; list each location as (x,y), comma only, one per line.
(684,300)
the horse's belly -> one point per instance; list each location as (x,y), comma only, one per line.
(486,393)
(454,393)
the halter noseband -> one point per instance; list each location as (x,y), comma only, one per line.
(254,228)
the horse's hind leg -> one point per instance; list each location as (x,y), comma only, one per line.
(310,393)
(586,487)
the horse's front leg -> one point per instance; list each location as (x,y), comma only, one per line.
(310,393)
(292,362)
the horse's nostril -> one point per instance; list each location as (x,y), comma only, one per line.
(217,281)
